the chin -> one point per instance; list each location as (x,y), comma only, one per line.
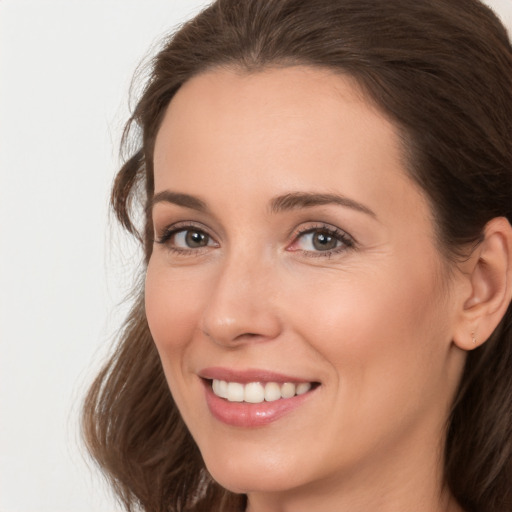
(248,476)
(251,483)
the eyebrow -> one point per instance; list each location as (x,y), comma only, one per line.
(298,200)
(285,202)
(186,200)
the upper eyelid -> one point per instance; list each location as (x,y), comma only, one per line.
(183,226)
(325,227)
(319,226)
(163,226)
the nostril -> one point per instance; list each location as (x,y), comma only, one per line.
(248,335)
(234,339)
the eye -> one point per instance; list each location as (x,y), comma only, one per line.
(183,239)
(318,241)
(324,239)
(190,239)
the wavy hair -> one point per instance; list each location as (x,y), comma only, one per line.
(442,72)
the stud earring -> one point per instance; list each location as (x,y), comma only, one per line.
(473,337)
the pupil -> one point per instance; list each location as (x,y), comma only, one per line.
(324,242)
(196,239)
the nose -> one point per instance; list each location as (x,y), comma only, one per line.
(242,304)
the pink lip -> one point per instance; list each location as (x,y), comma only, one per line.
(245,376)
(242,414)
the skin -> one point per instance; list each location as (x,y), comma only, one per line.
(373,322)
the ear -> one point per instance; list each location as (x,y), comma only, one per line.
(487,291)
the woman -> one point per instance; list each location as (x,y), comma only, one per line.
(327,194)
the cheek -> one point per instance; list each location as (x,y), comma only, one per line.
(385,341)
(172,310)
(380,330)
(172,306)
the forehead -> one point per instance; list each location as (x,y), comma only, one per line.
(297,96)
(281,129)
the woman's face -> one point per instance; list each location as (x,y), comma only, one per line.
(295,267)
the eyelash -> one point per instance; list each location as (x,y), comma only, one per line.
(347,242)
(173,230)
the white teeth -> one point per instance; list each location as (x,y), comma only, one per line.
(288,390)
(256,392)
(220,388)
(302,388)
(223,389)
(235,392)
(272,391)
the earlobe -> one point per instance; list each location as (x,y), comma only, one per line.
(489,272)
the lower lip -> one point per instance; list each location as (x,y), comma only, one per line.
(244,414)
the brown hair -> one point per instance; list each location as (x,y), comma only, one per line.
(442,71)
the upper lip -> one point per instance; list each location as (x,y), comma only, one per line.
(249,375)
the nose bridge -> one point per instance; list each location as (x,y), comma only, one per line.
(241,302)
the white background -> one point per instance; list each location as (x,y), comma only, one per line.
(65,70)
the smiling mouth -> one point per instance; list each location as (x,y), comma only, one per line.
(259,392)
